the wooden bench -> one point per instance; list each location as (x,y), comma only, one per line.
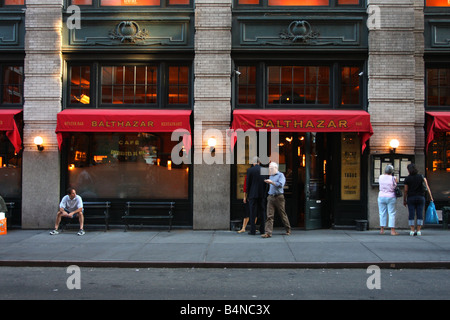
(148,210)
(87,205)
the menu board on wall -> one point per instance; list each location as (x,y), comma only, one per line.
(399,161)
(350,167)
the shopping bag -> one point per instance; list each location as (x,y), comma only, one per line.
(2,226)
(431,214)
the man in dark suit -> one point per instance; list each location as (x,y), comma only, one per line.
(256,196)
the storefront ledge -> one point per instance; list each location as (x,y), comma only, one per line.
(231,265)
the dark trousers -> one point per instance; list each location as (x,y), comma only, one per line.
(257,210)
(416,204)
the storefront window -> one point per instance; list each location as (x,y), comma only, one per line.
(247,85)
(297,85)
(12,84)
(125,166)
(438,167)
(10,169)
(438,87)
(437,3)
(350,85)
(129,84)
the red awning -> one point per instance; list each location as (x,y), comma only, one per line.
(436,122)
(130,120)
(305,121)
(8,124)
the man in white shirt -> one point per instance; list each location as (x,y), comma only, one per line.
(275,200)
(71,206)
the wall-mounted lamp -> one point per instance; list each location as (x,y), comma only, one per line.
(212,145)
(394,145)
(236,73)
(38,141)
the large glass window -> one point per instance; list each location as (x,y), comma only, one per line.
(298,85)
(129,84)
(125,166)
(10,169)
(438,167)
(438,87)
(11,84)
(336,85)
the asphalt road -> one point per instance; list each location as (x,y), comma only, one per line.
(225,285)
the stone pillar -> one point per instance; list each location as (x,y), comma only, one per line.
(212,111)
(42,96)
(396,92)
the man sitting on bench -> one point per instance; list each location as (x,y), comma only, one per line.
(71,206)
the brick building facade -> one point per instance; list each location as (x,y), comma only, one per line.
(389,42)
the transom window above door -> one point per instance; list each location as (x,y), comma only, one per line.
(300,3)
(131,3)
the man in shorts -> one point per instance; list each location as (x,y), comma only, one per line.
(71,206)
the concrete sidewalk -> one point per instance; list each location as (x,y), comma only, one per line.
(226,249)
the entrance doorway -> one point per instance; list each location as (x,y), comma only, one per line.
(304,159)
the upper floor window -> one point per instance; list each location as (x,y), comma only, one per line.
(12,3)
(141,3)
(437,3)
(138,85)
(300,3)
(11,84)
(438,87)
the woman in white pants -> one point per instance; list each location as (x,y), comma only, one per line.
(387,199)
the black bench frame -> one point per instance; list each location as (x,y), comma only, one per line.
(91,205)
(130,205)
(8,215)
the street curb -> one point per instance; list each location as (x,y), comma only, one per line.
(231,265)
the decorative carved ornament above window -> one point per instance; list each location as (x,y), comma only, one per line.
(299,31)
(129,31)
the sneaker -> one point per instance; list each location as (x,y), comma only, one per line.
(54,232)
(81,232)
(411,233)
(419,233)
